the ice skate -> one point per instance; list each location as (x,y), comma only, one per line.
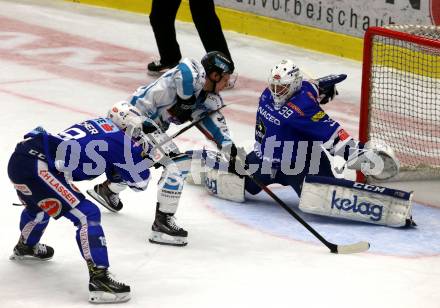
(106,197)
(39,252)
(166,232)
(104,289)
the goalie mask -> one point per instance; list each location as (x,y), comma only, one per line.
(128,118)
(285,79)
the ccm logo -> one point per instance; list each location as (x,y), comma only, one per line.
(369,187)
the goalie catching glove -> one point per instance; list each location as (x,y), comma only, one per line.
(376,160)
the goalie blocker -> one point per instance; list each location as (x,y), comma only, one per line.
(356,201)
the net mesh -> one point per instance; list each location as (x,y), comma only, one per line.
(404,105)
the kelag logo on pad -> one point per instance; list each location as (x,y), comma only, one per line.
(352,205)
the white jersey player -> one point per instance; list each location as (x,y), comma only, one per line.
(185,93)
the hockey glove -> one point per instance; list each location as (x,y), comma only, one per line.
(327,94)
(183,109)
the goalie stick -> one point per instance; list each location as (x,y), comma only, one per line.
(340,249)
(334,248)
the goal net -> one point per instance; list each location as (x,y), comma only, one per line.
(400,100)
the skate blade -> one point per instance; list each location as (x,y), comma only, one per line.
(15,257)
(165,239)
(98,198)
(101,297)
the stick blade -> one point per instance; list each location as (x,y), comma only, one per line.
(353,248)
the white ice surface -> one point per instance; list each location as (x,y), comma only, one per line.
(228,262)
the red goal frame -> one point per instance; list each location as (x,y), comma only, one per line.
(366,74)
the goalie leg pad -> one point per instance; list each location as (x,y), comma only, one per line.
(224,185)
(201,162)
(356,201)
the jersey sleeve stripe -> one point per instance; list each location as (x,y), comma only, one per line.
(187,79)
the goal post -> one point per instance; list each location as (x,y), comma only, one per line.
(400,96)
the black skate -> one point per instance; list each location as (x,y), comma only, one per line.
(166,232)
(157,68)
(104,289)
(106,197)
(39,252)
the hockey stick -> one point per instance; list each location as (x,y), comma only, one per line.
(340,249)
(193,123)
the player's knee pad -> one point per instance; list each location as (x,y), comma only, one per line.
(84,213)
(89,235)
(224,185)
(170,188)
(32,226)
(356,201)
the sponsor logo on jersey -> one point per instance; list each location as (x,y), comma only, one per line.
(311,96)
(51,206)
(24,189)
(266,114)
(318,116)
(374,211)
(84,240)
(330,121)
(37,154)
(296,108)
(343,135)
(89,127)
(106,125)
(57,186)
(221,120)
(260,130)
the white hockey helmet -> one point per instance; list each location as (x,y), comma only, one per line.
(284,80)
(128,118)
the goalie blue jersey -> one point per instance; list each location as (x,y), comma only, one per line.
(86,150)
(299,120)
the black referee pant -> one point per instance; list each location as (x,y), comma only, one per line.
(162,18)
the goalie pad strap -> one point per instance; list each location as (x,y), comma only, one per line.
(356,201)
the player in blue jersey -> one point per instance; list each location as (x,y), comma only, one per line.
(42,169)
(292,136)
(185,93)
